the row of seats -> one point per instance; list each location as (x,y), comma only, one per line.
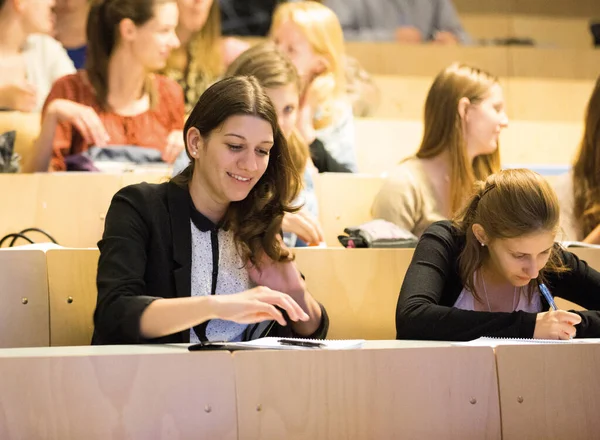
(559,8)
(53,292)
(71,207)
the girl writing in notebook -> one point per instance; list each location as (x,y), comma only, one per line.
(200,257)
(478,275)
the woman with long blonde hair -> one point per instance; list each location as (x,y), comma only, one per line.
(311,35)
(464,115)
(579,191)
(204,54)
(485,272)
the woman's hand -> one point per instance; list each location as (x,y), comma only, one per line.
(175,145)
(558,324)
(257,305)
(304,225)
(83,118)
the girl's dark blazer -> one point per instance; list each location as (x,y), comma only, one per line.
(146,254)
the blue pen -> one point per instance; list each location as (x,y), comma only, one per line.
(544,290)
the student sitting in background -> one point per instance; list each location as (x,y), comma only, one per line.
(30,61)
(200,257)
(71,19)
(579,191)
(464,115)
(278,77)
(116,99)
(310,34)
(204,54)
(478,275)
(405,21)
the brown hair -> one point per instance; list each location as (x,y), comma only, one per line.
(273,69)
(203,52)
(586,169)
(509,204)
(256,220)
(103,35)
(443,127)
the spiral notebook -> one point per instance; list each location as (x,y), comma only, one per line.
(274,343)
(494,342)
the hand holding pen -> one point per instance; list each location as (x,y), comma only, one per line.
(555,324)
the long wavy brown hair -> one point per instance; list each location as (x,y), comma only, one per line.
(273,69)
(256,220)
(103,35)
(508,204)
(443,128)
(586,169)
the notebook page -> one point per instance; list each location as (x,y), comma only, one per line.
(328,344)
(494,342)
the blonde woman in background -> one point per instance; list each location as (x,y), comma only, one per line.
(311,35)
(464,115)
(204,54)
(579,191)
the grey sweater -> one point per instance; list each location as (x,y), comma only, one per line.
(379,19)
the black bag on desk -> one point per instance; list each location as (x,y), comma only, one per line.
(9,160)
(377,234)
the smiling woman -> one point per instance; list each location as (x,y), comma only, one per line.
(200,257)
(117,99)
(479,275)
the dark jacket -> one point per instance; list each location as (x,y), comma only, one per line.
(432,285)
(146,254)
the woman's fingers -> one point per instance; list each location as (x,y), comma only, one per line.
(286,302)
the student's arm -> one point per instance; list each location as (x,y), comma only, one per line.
(580,285)
(125,314)
(431,274)
(447,20)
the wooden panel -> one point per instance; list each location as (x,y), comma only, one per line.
(147,175)
(359,288)
(28,127)
(344,200)
(487,26)
(17,198)
(72,295)
(554,31)
(383,143)
(24,299)
(549,391)
(589,255)
(175,395)
(418,60)
(561,8)
(72,206)
(554,63)
(423,393)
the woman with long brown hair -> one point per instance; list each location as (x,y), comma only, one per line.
(464,115)
(200,257)
(579,191)
(483,273)
(117,99)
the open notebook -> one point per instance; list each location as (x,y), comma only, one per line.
(494,342)
(272,343)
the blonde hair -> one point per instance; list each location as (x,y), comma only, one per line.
(443,127)
(203,53)
(322,29)
(586,169)
(509,204)
(273,69)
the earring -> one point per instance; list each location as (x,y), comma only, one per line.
(482,244)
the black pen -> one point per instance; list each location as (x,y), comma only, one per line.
(299,343)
